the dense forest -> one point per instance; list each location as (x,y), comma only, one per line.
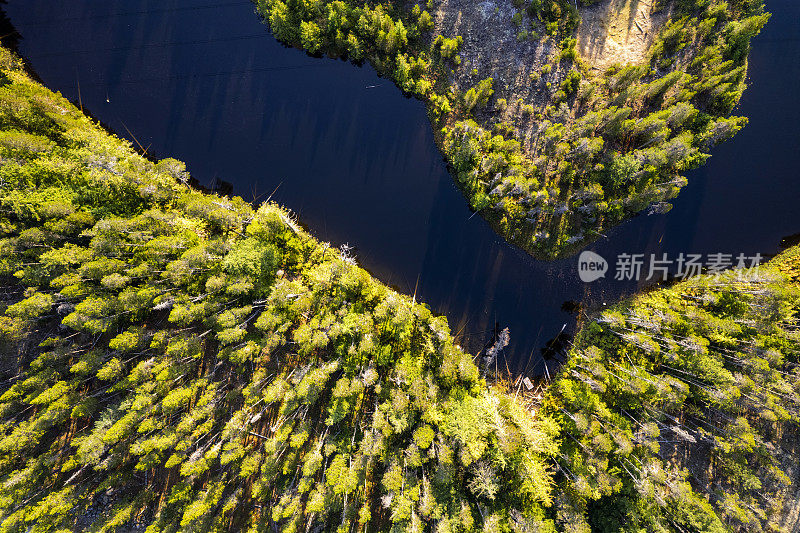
(585,148)
(679,410)
(180,361)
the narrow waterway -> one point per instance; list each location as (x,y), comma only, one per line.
(205,82)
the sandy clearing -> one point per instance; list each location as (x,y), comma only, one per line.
(618,31)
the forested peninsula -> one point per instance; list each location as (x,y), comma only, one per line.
(180,361)
(559,118)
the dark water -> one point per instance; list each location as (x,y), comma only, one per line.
(204,81)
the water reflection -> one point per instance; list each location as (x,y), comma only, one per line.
(357,162)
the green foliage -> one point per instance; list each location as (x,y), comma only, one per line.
(311,36)
(559,16)
(479,95)
(674,406)
(187,363)
(253,260)
(698,62)
(570,83)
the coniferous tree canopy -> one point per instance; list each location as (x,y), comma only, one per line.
(679,410)
(182,361)
(555,157)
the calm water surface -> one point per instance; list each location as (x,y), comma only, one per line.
(205,82)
